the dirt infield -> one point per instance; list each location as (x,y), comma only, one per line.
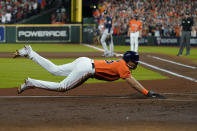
(106,106)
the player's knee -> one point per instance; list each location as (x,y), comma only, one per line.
(54,71)
(102,40)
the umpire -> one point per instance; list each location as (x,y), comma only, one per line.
(186,27)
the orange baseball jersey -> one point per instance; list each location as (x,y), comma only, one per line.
(135,25)
(111,70)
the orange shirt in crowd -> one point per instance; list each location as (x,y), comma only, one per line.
(17,3)
(43,4)
(111,70)
(177,30)
(115,31)
(96,13)
(135,25)
(101,9)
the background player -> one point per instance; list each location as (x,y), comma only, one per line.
(83,68)
(107,33)
(135,27)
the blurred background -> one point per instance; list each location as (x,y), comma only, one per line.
(161,19)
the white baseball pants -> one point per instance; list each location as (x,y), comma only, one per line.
(134,41)
(111,44)
(77,72)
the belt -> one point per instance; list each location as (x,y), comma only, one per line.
(133,31)
(93,66)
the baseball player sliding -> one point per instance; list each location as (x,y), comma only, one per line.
(135,27)
(83,68)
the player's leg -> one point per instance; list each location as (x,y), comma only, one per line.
(111,46)
(74,79)
(188,36)
(103,42)
(61,70)
(33,83)
(136,41)
(182,41)
(131,41)
(23,52)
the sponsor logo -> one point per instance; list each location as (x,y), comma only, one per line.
(169,40)
(43,33)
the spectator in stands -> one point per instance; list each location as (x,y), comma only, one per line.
(13,11)
(63,14)
(157,36)
(59,17)
(193,33)
(8,17)
(3,18)
(53,21)
(19,14)
(35,7)
(161,12)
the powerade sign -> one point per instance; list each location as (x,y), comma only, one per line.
(2,34)
(43,34)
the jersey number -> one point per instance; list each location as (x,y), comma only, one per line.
(111,61)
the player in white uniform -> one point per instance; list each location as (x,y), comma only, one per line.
(134,33)
(108,32)
(83,68)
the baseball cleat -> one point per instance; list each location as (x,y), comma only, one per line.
(106,54)
(23,87)
(119,55)
(23,52)
(16,54)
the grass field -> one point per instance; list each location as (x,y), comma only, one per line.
(80,48)
(47,47)
(162,49)
(14,71)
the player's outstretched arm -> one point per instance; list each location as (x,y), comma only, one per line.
(135,84)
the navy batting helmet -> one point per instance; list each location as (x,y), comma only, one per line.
(131,56)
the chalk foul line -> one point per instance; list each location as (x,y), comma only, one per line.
(167,71)
(112,97)
(102,50)
(169,61)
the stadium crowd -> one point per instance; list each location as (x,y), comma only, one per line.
(159,17)
(12,11)
(59,16)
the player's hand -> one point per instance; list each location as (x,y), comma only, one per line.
(155,95)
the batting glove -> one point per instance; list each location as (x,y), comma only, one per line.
(155,95)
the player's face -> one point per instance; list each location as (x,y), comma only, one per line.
(132,65)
